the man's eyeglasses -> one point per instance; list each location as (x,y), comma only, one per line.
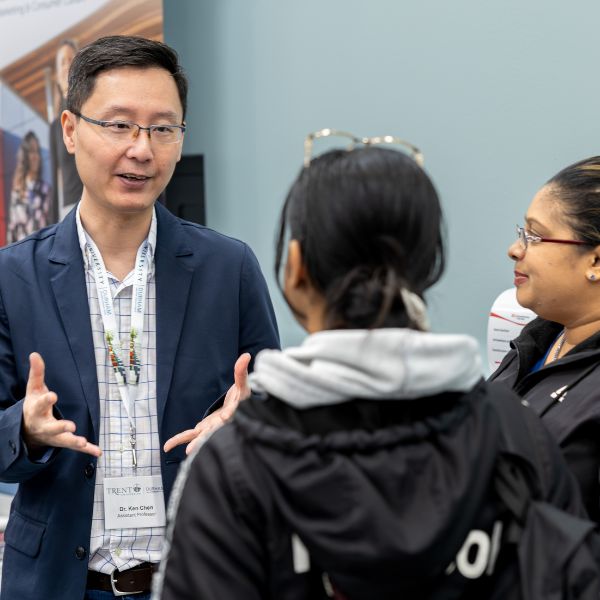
(127,131)
(525,238)
(354,140)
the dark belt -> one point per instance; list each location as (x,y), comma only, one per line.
(137,580)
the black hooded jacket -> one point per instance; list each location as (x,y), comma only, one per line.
(361,500)
(565,394)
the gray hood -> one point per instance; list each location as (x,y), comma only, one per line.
(381,364)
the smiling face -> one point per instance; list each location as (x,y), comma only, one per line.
(124,177)
(553,279)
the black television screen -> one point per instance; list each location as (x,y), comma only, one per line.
(184,196)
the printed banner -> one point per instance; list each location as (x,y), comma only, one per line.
(38,178)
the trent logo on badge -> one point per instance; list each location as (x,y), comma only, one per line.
(134,502)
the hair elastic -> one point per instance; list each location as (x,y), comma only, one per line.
(416,309)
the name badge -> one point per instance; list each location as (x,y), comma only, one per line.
(132,502)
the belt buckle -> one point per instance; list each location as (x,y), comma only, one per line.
(115,591)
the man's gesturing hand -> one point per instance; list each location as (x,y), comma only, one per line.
(237,392)
(40,427)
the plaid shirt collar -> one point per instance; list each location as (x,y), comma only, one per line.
(84,237)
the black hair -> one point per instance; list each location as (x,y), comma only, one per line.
(369,224)
(116,51)
(577,188)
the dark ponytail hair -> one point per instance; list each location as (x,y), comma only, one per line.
(369,224)
(577,188)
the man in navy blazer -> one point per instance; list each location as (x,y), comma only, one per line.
(78,411)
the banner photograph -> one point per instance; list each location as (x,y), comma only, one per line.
(39,180)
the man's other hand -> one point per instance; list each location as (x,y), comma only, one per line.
(237,392)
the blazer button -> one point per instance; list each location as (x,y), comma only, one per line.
(80,552)
(13,446)
(89,470)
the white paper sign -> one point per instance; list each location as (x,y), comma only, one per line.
(507,319)
(132,502)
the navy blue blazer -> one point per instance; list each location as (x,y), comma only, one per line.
(212,304)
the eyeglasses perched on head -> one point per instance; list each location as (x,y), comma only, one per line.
(526,237)
(354,140)
(127,131)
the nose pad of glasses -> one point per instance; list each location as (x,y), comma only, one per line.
(137,133)
(521,238)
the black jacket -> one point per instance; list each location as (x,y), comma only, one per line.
(571,413)
(392,499)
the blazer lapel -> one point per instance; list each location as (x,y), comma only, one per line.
(69,287)
(173,281)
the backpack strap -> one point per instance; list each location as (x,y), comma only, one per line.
(512,488)
(520,475)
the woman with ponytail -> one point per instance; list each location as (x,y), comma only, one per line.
(362,465)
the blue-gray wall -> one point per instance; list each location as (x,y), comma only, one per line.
(498,95)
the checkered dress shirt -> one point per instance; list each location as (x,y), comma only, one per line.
(124,548)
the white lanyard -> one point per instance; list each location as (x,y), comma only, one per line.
(131,376)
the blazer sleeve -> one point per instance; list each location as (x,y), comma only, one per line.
(15,463)
(214,545)
(258,326)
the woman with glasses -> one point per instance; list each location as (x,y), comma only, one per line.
(554,364)
(362,466)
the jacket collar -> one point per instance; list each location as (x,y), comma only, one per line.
(174,263)
(65,249)
(67,279)
(539,334)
